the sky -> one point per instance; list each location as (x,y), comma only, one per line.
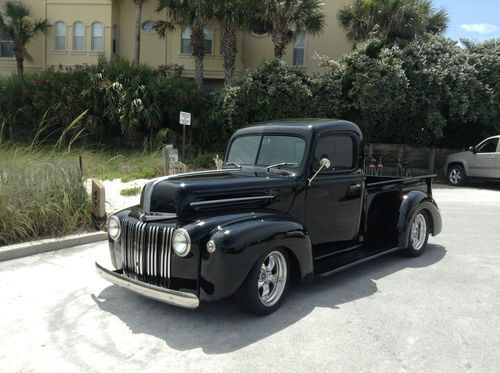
(472,19)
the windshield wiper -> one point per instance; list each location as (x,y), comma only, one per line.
(280,165)
(234,164)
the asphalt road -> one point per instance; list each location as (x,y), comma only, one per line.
(436,313)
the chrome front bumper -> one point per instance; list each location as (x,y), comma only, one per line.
(177,298)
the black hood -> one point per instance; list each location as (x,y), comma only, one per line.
(219,190)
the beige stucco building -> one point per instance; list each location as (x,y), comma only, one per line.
(81,30)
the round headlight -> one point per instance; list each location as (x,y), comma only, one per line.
(181,242)
(114,228)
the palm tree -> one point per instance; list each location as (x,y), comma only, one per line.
(391,19)
(192,13)
(285,19)
(138,27)
(232,16)
(17,25)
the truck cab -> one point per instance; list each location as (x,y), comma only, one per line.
(291,203)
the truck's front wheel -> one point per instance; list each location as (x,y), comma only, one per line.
(265,287)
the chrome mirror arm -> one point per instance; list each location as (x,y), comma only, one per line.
(325,163)
(310,180)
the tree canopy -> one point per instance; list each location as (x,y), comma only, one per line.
(391,19)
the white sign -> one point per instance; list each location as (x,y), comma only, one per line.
(185,118)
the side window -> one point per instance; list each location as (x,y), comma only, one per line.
(489,146)
(339,149)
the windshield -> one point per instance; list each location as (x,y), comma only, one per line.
(266,150)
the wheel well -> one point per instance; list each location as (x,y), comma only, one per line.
(430,219)
(294,266)
(455,164)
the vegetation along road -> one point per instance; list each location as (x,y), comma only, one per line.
(438,312)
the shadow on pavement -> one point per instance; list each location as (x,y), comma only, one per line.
(221,327)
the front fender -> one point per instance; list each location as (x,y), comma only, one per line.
(412,203)
(241,244)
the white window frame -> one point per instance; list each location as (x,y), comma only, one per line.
(299,48)
(75,36)
(57,35)
(93,37)
(5,40)
(207,30)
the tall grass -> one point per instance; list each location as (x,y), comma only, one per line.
(41,193)
(40,196)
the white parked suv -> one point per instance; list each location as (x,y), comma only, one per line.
(479,162)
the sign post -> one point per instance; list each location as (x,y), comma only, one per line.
(185,120)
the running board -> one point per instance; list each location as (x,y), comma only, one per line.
(323,272)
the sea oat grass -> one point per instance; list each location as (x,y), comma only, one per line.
(40,196)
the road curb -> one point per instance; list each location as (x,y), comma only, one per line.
(50,244)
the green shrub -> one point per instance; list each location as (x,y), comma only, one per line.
(272,91)
(124,103)
(130,192)
(426,91)
(203,161)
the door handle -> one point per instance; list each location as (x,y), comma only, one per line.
(491,158)
(354,189)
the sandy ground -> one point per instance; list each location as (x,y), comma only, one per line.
(114,200)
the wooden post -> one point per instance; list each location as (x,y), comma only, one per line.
(166,159)
(80,164)
(98,203)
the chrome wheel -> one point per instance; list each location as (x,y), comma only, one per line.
(455,176)
(418,233)
(272,278)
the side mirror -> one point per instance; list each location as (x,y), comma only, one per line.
(324,164)
(472,149)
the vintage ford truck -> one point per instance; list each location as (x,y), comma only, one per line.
(292,203)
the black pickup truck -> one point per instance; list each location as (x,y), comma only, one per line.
(292,203)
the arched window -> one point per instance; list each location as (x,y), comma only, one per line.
(97,31)
(60,36)
(78,36)
(148,26)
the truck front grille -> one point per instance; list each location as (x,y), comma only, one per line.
(146,252)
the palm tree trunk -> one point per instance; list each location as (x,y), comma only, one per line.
(20,65)
(229,50)
(279,44)
(198,44)
(138,26)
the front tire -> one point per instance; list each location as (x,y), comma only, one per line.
(267,283)
(456,175)
(418,235)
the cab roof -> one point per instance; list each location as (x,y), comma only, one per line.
(305,127)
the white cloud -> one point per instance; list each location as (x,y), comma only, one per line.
(480,28)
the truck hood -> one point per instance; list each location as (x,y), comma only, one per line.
(195,193)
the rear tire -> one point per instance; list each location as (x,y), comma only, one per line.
(456,175)
(267,283)
(418,236)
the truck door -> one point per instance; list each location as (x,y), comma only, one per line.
(484,163)
(334,197)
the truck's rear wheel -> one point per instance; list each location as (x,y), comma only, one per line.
(418,235)
(456,175)
(265,287)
